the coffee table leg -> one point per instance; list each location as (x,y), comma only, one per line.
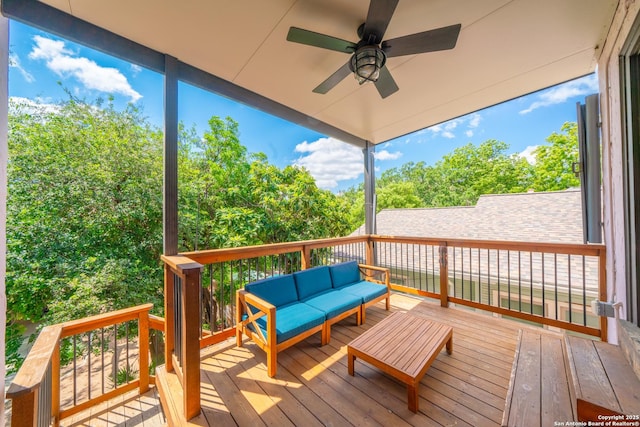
(350,361)
(412,397)
(450,345)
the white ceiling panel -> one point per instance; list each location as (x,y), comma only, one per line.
(506,48)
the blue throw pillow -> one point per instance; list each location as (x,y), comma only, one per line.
(312,281)
(344,273)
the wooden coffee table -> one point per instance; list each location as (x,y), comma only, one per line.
(403,346)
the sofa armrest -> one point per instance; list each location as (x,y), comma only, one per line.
(245,302)
(369,276)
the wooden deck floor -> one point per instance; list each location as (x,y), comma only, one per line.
(129,410)
(312,386)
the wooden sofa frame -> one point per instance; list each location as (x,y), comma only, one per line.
(245,301)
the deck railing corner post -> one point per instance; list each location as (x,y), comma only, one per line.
(444,275)
(191,341)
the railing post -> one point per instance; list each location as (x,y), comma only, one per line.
(191,341)
(24,409)
(444,276)
(369,255)
(55,386)
(169,316)
(143,350)
(188,318)
(305,262)
(31,379)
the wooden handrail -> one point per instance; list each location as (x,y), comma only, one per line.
(590,249)
(45,355)
(33,369)
(212,256)
(156,322)
(75,327)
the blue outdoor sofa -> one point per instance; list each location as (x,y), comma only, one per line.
(281,311)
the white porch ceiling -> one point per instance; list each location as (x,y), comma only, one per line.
(506,48)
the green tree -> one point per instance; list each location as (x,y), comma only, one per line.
(84,212)
(230,198)
(553,166)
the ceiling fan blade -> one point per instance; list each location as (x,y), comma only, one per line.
(298,35)
(385,84)
(428,41)
(378,17)
(333,79)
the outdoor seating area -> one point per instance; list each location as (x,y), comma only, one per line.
(281,311)
(313,385)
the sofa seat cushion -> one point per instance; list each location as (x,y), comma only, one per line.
(367,291)
(333,303)
(278,290)
(292,320)
(312,281)
(344,273)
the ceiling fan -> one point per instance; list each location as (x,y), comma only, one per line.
(368,56)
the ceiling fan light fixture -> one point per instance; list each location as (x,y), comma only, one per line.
(366,63)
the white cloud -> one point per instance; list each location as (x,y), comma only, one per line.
(136,69)
(449,129)
(329,161)
(19,104)
(14,61)
(529,154)
(385,155)
(63,62)
(474,120)
(559,94)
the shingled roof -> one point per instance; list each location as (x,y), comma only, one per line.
(529,217)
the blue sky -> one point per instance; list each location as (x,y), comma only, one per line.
(43,66)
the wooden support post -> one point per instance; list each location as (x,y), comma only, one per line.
(369,255)
(55,385)
(169,316)
(24,409)
(444,276)
(143,346)
(306,257)
(191,341)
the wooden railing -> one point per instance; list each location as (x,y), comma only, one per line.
(46,391)
(545,283)
(551,284)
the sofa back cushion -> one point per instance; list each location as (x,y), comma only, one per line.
(312,281)
(278,290)
(344,273)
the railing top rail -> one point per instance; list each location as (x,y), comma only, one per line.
(181,263)
(550,247)
(211,256)
(156,322)
(35,366)
(86,324)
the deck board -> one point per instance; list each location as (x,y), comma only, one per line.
(312,386)
(128,410)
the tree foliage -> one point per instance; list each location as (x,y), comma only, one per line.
(462,176)
(553,167)
(84,214)
(230,198)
